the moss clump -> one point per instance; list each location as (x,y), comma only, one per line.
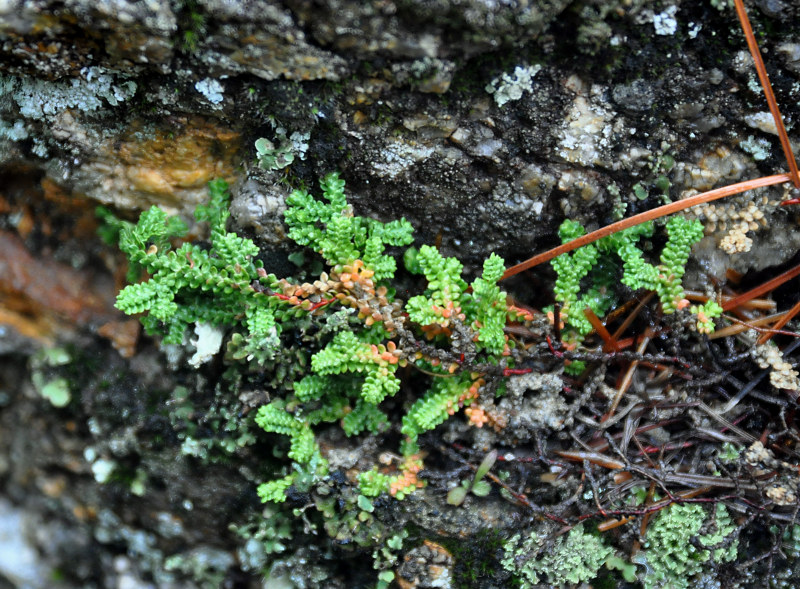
(477,559)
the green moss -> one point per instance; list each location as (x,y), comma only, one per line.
(476,559)
(192,25)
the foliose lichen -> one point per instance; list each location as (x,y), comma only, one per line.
(572,558)
(510,87)
(40,99)
(670,553)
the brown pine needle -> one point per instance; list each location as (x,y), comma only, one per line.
(768,93)
(740,326)
(656,213)
(610,524)
(627,379)
(765,337)
(763,304)
(768,286)
(608,339)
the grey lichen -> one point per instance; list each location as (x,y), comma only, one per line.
(510,87)
(759,147)
(15,131)
(41,99)
(211,89)
(542,406)
(664,22)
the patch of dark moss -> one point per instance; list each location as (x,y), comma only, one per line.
(477,560)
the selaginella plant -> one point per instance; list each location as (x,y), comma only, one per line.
(453,331)
(600,263)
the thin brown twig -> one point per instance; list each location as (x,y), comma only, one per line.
(646,519)
(634,314)
(626,381)
(715,415)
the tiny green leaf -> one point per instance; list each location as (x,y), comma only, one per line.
(365,504)
(297,258)
(486,465)
(627,569)
(395,542)
(481,488)
(457,495)
(57,392)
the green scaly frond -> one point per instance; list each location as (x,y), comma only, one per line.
(275,419)
(215,211)
(379,384)
(372,483)
(365,417)
(331,229)
(347,353)
(489,308)
(154,228)
(445,287)
(441,401)
(275,491)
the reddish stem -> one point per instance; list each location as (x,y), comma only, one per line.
(320,304)
(516,371)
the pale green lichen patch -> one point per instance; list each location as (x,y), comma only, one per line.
(671,556)
(759,147)
(573,558)
(55,389)
(511,87)
(93,90)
